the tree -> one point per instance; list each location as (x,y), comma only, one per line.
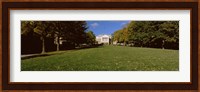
(30,41)
(125,35)
(117,36)
(156,34)
(130,31)
(59,30)
(171,34)
(90,38)
(121,36)
(27,27)
(74,32)
(79,34)
(71,31)
(43,29)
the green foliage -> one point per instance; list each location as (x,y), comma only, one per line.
(156,34)
(73,32)
(26,27)
(118,36)
(91,39)
(121,36)
(106,58)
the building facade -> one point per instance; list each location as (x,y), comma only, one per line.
(103,39)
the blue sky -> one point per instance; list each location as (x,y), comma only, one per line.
(105,27)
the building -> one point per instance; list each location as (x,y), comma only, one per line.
(103,39)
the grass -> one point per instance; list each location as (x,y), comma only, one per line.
(106,58)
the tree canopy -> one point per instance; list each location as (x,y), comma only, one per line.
(156,34)
(91,39)
(73,33)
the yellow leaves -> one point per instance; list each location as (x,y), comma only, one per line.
(39,30)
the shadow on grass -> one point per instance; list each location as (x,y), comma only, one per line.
(49,54)
(36,55)
(98,46)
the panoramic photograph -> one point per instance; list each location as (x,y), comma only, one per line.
(103,45)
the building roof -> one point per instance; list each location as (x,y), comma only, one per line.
(103,35)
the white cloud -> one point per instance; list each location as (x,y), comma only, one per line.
(123,23)
(94,25)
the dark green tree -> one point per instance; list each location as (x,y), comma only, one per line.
(156,34)
(43,29)
(90,38)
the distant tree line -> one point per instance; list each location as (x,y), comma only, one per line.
(154,34)
(42,36)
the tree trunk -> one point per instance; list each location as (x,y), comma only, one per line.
(58,43)
(43,45)
(124,43)
(163,43)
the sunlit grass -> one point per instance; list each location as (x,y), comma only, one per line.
(106,58)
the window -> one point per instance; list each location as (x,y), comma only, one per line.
(104,39)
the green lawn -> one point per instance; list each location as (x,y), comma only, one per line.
(106,58)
